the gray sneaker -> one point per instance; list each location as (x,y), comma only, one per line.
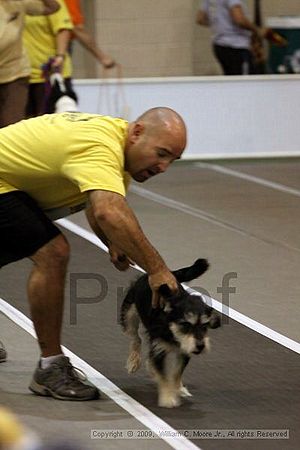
(3,353)
(61,381)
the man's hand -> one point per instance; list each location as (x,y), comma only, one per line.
(118,258)
(156,280)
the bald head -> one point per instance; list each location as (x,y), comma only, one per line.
(154,141)
(164,118)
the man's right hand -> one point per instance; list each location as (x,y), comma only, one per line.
(118,258)
(156,280)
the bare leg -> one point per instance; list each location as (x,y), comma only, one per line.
(46,293)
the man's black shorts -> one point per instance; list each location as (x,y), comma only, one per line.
(24,228)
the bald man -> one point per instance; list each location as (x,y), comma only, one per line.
(57,164)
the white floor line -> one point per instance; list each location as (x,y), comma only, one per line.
(235,315)
(179,206)
(254,325)
(135,409)
(252,178)
(196,212)
(87,235)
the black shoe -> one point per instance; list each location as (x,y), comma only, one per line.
(61,381)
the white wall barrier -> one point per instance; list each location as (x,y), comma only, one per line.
(227,117)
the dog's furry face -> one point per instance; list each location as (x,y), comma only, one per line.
(188,319)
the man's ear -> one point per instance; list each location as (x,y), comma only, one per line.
(137,130)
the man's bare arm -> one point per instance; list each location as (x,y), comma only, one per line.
(94,226)
(117,257)
(121,227)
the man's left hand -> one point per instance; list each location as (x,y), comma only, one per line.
(119,259)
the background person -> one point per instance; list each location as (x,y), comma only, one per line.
(45,38)
(232,34)
(88,158)
(14,64)
(84,37)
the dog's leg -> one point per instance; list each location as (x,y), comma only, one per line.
(166,369)
(131,323)
(183,390)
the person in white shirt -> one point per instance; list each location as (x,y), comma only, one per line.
(232,34)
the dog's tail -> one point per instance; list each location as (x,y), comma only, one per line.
(190,273)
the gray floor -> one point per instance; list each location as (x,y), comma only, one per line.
(248,381)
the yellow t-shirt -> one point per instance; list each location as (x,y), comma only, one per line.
(40,41)
(57,158)
(14,63)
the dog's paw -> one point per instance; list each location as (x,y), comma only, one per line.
(167,401)
(133,362)
(184,392)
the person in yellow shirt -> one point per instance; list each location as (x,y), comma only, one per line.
(14,64)
(47,38)
(56,164)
